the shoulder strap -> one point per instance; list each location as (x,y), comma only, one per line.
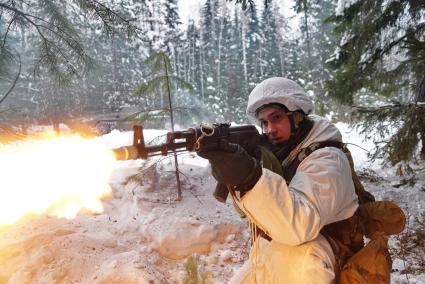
(290,170)
(363,195)
(271,162)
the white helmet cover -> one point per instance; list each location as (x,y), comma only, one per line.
(278,90)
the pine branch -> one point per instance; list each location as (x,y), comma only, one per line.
(182,83)
(144,115)
(11,22)
(14,82)
(246,3)
(149,87)
(157,61)
(379,53)
(404,123)
(112,22)
(60,50)
(6,57)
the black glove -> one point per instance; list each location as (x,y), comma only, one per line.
(221,192)
(232,165)
(252,147)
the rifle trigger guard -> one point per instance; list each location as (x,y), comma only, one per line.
(206,130)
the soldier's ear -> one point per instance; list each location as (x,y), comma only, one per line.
(298,117)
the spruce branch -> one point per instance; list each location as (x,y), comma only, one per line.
(61,52)
(160,83)
(160,62)
(403,123)
(11,22)
(246,3)
(6,57)
(111,20)
(14,82)
(60,49)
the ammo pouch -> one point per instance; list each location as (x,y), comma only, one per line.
(376,220)
(370,263)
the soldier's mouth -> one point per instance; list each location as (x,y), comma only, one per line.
(276,140)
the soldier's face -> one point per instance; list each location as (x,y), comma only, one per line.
(275,124)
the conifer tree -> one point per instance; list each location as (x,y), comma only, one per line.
(60,49)
(172,24)
(317,44)
(303,7)
(172,18)
(209,46)
(192,53)
(212,35)
(249,3)
(381,54)
(207,21)
(164,82)
(323,41)
(254,55)
(234,73)
(271,49)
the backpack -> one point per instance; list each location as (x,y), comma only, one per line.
(357,262)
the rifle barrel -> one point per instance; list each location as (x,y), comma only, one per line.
(143,152)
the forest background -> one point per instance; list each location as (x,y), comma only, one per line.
(89,60)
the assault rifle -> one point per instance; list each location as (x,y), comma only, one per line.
(205,137)
(200,138)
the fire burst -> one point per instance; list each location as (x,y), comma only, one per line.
(57,175)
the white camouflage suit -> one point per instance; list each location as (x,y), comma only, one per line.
(321,192)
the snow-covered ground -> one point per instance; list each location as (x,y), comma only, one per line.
(145,236)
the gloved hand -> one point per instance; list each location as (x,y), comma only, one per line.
(253,149)
(232,165)
(221,192)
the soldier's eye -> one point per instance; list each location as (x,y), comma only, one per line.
(276,117)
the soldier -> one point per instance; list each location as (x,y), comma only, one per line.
(289,210)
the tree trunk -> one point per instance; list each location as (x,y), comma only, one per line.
(220,35)
(421,99)
(307,35)
(201,67)
(245,68)
(179,191)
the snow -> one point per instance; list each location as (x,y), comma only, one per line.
(358,147)
(190,9)
(145,236)
(342,5)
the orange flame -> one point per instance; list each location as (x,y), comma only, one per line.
(57,175)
